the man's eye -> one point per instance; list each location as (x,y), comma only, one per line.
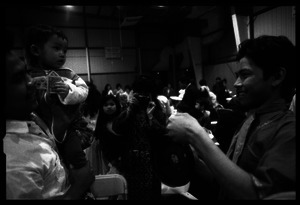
(242,75)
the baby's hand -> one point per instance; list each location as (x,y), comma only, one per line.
(62,89)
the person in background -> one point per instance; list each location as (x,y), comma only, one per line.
(111,145)
(168,91)
(217,86)
(34,169)
(90,107)
(225,94)
(215,103)
(107,90)
(118,89)
(123,98)
(261,160)
(45,52)
(216,106)
(127,89)
(141,124)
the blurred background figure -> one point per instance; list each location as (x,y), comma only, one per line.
(107,90)
(168,91)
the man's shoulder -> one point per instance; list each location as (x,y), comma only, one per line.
(286,124)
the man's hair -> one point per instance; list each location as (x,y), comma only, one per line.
(39,35)
(270,53)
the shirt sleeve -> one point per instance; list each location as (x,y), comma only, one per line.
(78,91)
(33,169)
(23,183)
(24,171)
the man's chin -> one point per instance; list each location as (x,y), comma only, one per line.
(242,103)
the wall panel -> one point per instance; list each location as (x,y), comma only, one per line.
(278,21)
(103,37)
(76,37)
(99,64)
(76,60)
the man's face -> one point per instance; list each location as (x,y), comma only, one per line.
(53,53)
(252,90)
(20,100)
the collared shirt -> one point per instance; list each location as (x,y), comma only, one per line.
(33,167)
(269,154)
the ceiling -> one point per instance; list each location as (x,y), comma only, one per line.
(157,15)
(137,15)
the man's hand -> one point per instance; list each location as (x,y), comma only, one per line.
(181,126)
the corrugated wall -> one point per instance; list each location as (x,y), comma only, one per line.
(278,21)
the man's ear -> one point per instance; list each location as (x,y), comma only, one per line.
(279,76)
(34,50)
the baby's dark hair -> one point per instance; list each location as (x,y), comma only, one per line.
(38,35)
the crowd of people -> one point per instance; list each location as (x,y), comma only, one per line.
(61,131)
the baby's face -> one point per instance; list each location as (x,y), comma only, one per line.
(53,53)
(109,107)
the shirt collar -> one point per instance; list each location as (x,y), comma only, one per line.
(277,105)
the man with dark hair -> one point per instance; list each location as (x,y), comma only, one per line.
(261,160)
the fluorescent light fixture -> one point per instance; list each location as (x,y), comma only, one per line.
(236,31)
(69,6)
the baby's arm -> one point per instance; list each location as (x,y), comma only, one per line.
(77,93)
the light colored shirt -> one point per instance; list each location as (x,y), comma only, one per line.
(78,91)
(33,167)
(293,104)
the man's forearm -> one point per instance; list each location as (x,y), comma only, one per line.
(232,179)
